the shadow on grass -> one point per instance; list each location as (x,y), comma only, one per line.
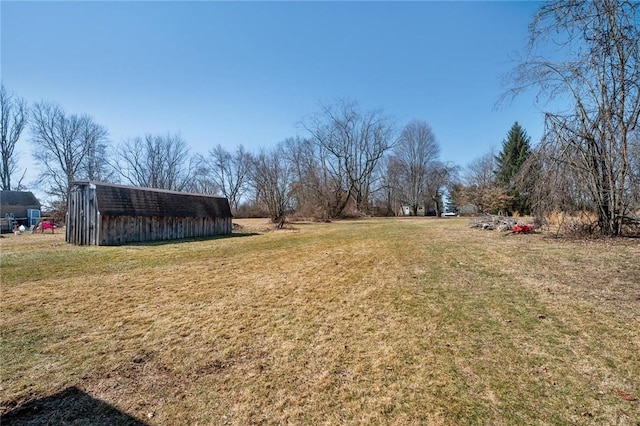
(189,240)
(70,406)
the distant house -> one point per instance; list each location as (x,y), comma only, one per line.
(18,208)
(107,214)
(406,210)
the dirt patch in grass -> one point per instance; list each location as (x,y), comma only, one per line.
(384,321)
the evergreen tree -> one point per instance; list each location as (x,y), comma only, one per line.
(515,150)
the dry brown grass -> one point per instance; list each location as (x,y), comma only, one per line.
(385,321)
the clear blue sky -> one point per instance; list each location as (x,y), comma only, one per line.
(234,73)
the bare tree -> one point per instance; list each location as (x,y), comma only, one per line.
(479,186)
(439,176)
(551,188)
(416,156)
(481,171)
(97,165)
(600,41)
(634,176)
(229,172)
(350,145)
(393,188)
(273,180)
(13,119)
(156,161)
(203,182)
(67,146)
(311,191)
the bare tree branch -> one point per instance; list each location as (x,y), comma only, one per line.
(350,145)
(13,119)
(416,155)
(67,146)
(156,161)
(273,180)
(599,75)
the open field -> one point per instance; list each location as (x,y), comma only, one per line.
(381,321)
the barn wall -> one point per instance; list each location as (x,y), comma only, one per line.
(116,230)
(82,216)
(86,226)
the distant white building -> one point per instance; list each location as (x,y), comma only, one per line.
(406,210)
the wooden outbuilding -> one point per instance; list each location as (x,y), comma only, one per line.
(18,208)
(106,214)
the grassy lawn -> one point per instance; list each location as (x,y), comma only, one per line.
(381,321)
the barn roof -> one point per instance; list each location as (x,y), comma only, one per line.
(18,198)
(120,200)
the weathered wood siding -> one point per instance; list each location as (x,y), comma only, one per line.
(118,230)
(87,225)
(82,216)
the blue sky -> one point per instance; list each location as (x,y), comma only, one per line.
(234,73)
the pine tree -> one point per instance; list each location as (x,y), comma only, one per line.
(515,150)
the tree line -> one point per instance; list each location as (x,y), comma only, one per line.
(350,161)
(583,59)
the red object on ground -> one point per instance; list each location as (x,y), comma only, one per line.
(46,225)
(522,229)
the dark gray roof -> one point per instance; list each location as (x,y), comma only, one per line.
(18,198)
(120,200)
